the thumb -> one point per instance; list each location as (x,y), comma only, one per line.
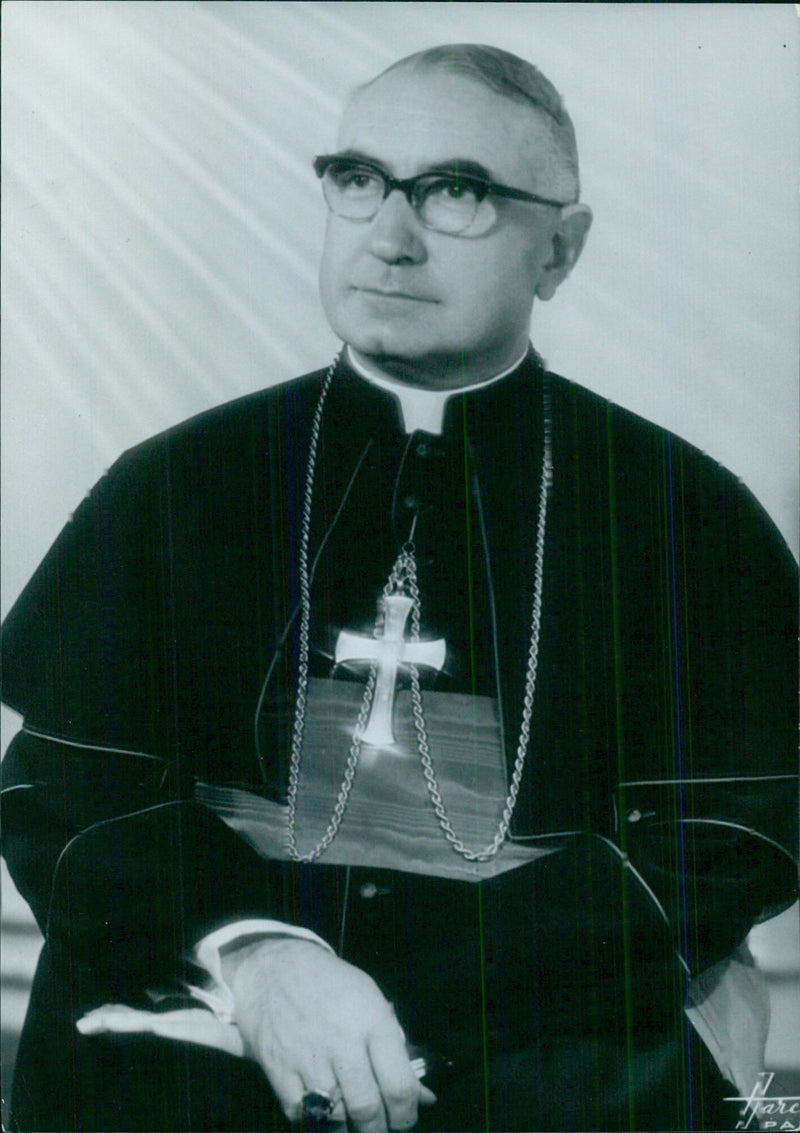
(426,1096)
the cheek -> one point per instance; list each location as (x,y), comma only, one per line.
(494,286)
(332,274)
(330,260)
(514,275)
(342,240)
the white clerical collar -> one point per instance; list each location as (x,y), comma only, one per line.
(419,408)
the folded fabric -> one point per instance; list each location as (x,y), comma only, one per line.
(729,1008)
(189,1024)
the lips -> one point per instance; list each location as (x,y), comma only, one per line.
(391,293)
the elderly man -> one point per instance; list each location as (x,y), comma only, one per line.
(408,744)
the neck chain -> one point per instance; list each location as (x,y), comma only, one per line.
(403,580)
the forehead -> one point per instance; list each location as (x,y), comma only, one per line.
(411,120)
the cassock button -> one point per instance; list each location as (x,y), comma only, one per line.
(434,447)
(637,815)
(369,889)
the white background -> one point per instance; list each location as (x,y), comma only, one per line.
(162,225)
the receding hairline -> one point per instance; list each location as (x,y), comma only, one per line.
(508,76)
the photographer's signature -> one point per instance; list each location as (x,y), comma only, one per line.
(761,1111)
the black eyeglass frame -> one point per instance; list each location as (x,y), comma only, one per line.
(407,185)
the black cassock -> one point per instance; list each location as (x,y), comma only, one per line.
(156,647)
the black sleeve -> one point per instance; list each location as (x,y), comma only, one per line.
(124,885)
(713,827)
(89,646)
(703,850)
(53,791)
(119,866)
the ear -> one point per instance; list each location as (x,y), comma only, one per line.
(568,240)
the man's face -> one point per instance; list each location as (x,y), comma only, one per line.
(433,309)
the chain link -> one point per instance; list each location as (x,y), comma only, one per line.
(489,851)
(301,701)
(403,580)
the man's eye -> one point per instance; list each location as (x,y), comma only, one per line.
(354,178)
(451,189)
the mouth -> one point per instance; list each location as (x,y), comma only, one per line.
(390,293)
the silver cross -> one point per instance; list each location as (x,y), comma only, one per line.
(388,653)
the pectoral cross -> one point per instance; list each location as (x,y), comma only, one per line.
(388,653)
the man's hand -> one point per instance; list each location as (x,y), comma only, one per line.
(316,1023)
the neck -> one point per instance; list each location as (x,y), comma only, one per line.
(376,367)
(421,407)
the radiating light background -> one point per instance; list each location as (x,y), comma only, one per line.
(162,225)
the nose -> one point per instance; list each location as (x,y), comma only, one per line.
(395,234)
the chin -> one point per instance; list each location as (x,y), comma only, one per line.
(401,333)
(405,365)
(385,345)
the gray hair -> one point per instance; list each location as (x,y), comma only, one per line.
(513,78)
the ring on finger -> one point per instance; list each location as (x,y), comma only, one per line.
(318,1105)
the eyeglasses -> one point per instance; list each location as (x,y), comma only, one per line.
(448,202)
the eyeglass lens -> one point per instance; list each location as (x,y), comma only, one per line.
(444,203)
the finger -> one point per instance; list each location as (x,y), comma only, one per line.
(288,1089)
(362,1097)
(426,1096)
(318,1076)
(338,1113)
(396,1080)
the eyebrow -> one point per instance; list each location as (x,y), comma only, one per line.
(464,165)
